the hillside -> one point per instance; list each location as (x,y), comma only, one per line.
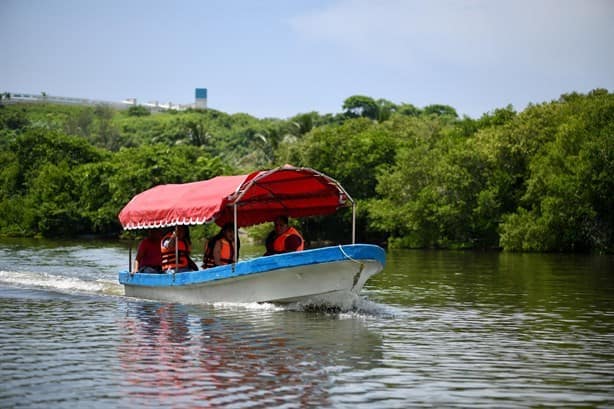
(537,180)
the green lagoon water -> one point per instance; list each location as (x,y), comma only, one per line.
(434,329)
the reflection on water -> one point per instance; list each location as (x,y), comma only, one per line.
(434,329)
(498,280)
(244,357)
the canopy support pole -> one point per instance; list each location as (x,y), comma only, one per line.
(176,249)
(353,223)
(236,238)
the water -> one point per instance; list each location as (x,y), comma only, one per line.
(434,329)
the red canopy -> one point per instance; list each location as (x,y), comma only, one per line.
(259,197)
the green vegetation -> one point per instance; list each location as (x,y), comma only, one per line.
(537,180)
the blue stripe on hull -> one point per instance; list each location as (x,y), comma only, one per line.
(257,265)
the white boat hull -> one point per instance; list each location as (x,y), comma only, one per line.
(284,278)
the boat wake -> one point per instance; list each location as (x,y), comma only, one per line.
(45,281)
(342,304)
(345,303)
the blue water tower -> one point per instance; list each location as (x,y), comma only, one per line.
(200,98)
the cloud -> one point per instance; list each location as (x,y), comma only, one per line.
(528,36)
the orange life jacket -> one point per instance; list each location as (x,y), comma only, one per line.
(168,253)
(226,254)
(279,245)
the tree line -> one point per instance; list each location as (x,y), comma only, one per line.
(536,180)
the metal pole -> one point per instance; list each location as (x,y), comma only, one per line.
(236,250)
(176,249)
(130,257)
(353,223)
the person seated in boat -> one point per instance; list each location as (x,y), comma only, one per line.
(284,238)
(219,249)
(179,237)
(148,256)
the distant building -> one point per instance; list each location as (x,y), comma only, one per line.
(200,98)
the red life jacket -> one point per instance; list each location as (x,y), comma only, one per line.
(168,253)
(279,245)
(148,253)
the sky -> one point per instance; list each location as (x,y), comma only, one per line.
(279,58)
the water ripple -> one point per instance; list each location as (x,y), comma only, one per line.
(434,330)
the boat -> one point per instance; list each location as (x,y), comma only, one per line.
(310,276)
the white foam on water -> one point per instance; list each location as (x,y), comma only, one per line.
(59,283)
(347,304)
(249,306)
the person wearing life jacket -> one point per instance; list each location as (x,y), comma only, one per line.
(219,249)
(181,236)
(284,238)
